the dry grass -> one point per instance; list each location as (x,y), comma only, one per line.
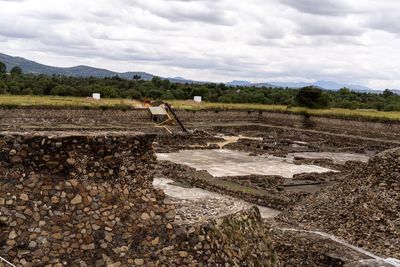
(57,101)
(335,112)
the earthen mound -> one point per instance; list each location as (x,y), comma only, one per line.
(363,209)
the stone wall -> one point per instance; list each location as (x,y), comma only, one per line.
(389,130)
(239,239)
(79,118)
(80,200)
(50,119)
(70,199)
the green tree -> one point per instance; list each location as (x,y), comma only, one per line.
(387,93)
(3,87)
(16,70)
(3,68)
(137,77)
(312,97)
(157,81)
(344,91)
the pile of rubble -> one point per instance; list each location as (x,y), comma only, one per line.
(364,208)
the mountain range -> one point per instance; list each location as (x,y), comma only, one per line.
(328,85)
(29,66)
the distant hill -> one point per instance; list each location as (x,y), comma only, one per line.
(29,66)
(239,83)
(328,85)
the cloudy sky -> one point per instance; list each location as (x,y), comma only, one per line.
(355,41)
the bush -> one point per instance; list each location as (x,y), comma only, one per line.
(312,97)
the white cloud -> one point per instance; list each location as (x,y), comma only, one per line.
(213,40)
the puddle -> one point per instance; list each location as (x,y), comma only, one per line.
(224,162)
(339,158)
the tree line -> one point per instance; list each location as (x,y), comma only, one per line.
(18,83)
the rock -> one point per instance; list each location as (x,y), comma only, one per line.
(139,262)
(15,160)
(91,246)
(183,254)
(108,237)
(32,244)
(155,241)
(71,161)
(170,214)
(56,235)
(12,235)
(115,264)
(24,197)
(145,216)
(95,227)
(52,164)
(10,243)
(76,200)
(55,199)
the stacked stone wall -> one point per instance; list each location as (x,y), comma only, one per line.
(70,199)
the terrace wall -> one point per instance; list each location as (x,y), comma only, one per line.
(388,130)
(89,119)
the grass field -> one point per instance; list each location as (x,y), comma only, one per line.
(336,112)
(57,101)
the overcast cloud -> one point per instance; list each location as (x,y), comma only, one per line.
(354,41)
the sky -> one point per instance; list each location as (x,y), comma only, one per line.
(347,41)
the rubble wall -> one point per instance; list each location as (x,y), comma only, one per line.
(76,199)
(239,239)
(79,118)
(68,199)
(50,119)
(390,130)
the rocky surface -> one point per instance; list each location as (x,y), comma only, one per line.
(80,199)
(70,199)
(305,249)
(196,140)
(280,141)
(239,239)
(364,208)
(267,182)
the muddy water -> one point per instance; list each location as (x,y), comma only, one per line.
(224,162)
